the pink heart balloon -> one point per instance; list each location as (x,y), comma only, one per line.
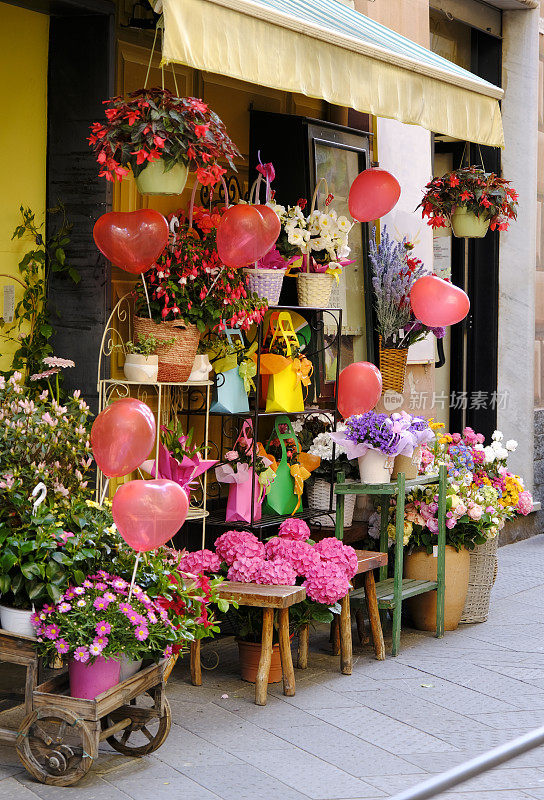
(245,235)
(132,240)
(359,388)
(373,193)
(437,303)
(149,513)
(122,436)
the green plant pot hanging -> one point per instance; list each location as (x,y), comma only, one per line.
(153,179)
(465,223)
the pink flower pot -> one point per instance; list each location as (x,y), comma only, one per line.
(89,680)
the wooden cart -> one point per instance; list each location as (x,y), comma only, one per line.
(59,736)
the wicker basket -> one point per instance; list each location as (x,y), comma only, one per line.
(266,283)
(407,464)
(483,565)
(175,360)
(319,496)
(314,289)
(393,367)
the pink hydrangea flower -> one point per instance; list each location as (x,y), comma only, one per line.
(301,555)
(200,561)
(236,543)
(327,583)
(81,654)
(276,573)
(332,550)
(245,569)
(525,503)
(294,529)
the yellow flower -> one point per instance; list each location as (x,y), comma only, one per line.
(92,504)
(435,426)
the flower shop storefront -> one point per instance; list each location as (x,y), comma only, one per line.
(258,330)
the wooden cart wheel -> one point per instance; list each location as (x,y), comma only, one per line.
(147,731)
(55,746)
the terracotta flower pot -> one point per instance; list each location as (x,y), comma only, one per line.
(250,654)
(422,608)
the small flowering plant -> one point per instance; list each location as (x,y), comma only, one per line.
(395,271)
(43,441)
(372,431)
(97,619)
(482,193)
(190,283)
(321,238)
(153,124)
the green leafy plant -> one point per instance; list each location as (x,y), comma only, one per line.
(33,325)
(146,345)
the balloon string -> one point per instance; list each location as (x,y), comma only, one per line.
(146,295)
(104,490)
(133,576)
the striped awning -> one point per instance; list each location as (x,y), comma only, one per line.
(325,49)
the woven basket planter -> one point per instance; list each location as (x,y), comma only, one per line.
(266,283)
(483,570)
(393,367)
(314,289)
(319,496)
(175,360)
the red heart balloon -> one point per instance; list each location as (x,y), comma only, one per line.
(245,235)
(149,513)
(359,388)
(437,303)
(373,193)
(122,436)
(133,240)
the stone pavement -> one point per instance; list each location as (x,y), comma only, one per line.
(367,736)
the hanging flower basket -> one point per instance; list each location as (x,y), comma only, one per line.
(465,223)
(157,179)
(393,367)
(266,283)
(469,191)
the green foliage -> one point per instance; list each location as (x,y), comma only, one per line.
(33,327)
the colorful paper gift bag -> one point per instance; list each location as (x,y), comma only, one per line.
(281,497)
(288,371)
(229,393)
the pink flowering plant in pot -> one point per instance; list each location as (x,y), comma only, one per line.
(97,621)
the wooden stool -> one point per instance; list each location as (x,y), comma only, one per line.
(269,598)
(367,561)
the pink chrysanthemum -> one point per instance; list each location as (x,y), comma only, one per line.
(294,529)
(334,551)
(327,583)
(95,649)
(62,646)
(199,561)
(102,628)
(141,633)
(101,603)
(235,543)
(51,631)
(81,654)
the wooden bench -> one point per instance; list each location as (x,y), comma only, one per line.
(270,599)
(367,561)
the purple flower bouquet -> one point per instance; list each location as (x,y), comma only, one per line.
(372,431)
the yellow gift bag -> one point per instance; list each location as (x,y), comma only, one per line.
(289,371)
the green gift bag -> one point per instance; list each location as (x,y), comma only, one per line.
(281,498)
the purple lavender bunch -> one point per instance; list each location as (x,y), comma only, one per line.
(392,282)
(374,430)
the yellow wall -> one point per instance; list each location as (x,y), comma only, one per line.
(23,134)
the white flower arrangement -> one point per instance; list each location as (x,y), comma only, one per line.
(322,234)
(323,444)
